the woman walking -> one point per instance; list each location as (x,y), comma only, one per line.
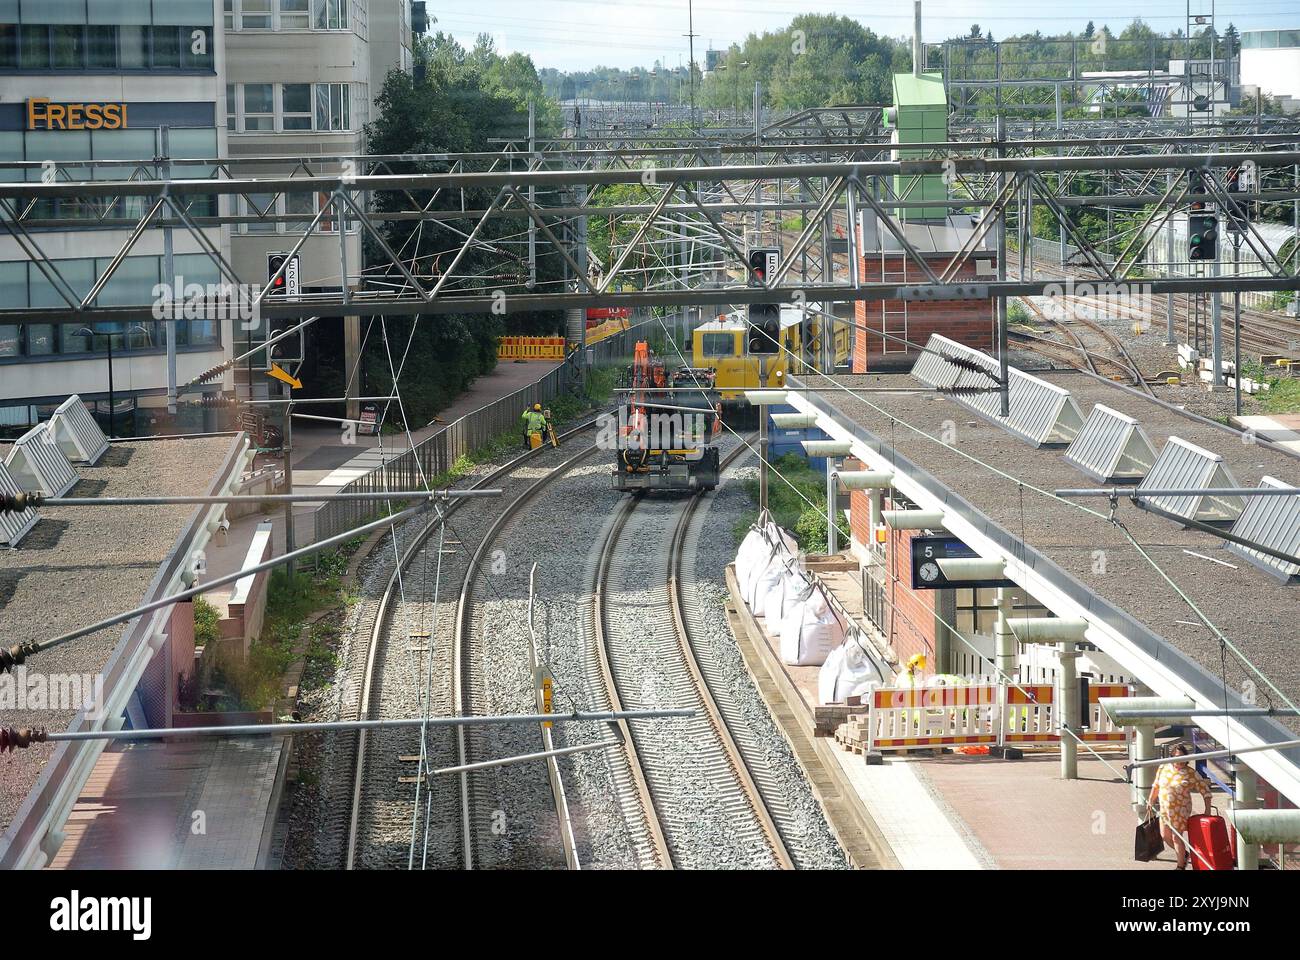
(1173,788)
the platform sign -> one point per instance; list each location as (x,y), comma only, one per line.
(370,419)
(926,574)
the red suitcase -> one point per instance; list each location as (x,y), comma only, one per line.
(1208,833)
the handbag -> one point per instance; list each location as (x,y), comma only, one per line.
(1147,842)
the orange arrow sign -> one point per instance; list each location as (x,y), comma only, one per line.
(275,371)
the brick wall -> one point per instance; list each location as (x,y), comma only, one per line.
(972,322)
(911,621)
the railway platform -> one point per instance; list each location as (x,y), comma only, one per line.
(946,811)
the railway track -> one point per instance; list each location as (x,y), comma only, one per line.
(712,811)
(376,766)
(1261,332)
(1090,347)
(476,790)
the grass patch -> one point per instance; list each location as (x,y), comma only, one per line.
(255,684)
(788,508)
(1283,393)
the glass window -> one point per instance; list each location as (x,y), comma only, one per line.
(230,14)
(53,11)
(123,145)
(232,108)
(322,106)
(8,11)
(296,106)
(132,282)
(1288,38)
(304,203)
(256,15)
(35,54)
(13,283)
(69,45)
(718,344)
(196,48)
(120,11)
(79,274)
(101,50)
(294,15)
(330,14)
(8,46)
(193,143)
(133,47)
(261,204)
(259,106)
(338,106)
(166,47)
(40,339)
(184,12)
(9,339)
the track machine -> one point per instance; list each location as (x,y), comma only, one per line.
(667,425)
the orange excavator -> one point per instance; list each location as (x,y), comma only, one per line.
(667,421)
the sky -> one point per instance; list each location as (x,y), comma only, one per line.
(579,34)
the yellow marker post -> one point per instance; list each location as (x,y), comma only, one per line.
(279,374)
(548,686)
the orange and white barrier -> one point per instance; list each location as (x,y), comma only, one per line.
(530,348)
(1101,728)
(912,718)
(1001,714)
(1030,714)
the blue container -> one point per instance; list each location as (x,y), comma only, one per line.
(781,441)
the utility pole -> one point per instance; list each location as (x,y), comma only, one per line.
(1003,374)
(290,540)
(690,67)
(169,273)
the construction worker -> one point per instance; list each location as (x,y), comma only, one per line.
(534,422)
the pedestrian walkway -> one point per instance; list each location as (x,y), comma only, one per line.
(1282,428)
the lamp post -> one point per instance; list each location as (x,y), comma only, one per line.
(92,334)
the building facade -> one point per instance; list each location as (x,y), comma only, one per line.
(1270,61)
(81,82)
(124,82)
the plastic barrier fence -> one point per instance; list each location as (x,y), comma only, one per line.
(605,330)
(907,718)
(1101,729)
(530,348)
(1030,716)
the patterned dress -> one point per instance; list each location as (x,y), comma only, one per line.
(1176,781)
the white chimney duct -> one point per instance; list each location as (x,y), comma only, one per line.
(918,64)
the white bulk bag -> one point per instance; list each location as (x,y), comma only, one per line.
(766,578)
(810,631)
(753,549)
(849,671)
(792,587)
(829,674)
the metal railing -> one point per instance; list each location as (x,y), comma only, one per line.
(437,454)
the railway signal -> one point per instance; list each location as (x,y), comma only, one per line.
(283,274)
(764,333)
(1202,237)
(763,263)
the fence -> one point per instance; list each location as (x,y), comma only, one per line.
(530,348)
(911,718)
(437,454)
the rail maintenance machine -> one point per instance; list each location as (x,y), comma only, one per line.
(667,427)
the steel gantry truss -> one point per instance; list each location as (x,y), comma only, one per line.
(703,198)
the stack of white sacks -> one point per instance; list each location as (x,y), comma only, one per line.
(811,632)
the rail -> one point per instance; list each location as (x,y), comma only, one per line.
(437,454)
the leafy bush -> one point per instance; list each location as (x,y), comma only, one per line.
(207,620)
